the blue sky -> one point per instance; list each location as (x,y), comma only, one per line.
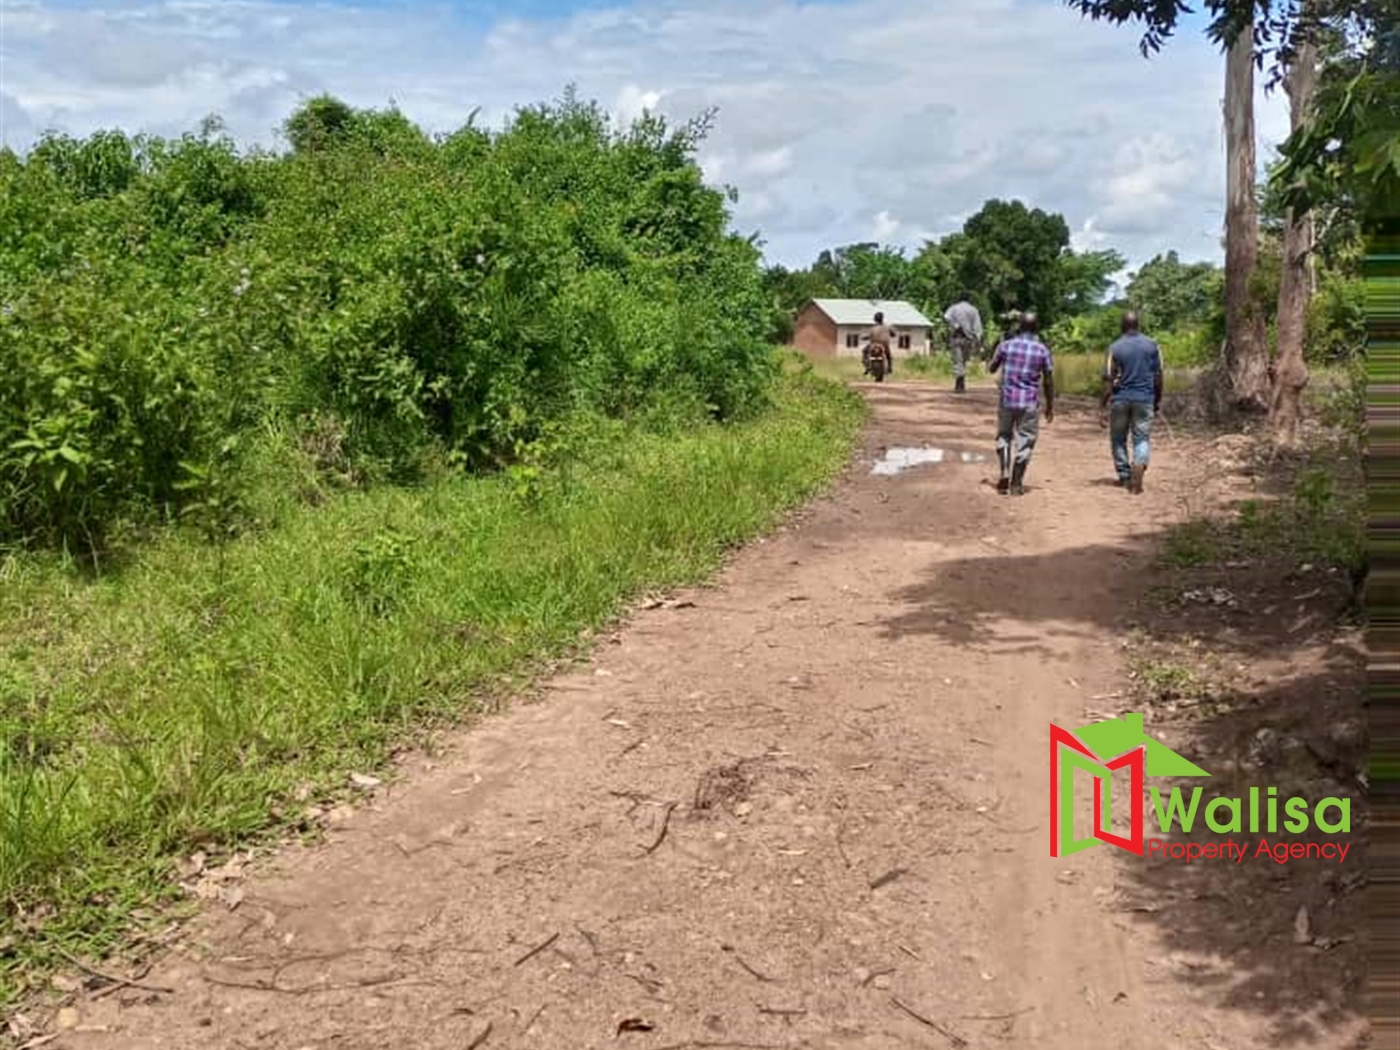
(839,121)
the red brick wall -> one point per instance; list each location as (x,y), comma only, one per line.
(814,333)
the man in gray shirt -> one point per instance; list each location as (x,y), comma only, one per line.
(964,338)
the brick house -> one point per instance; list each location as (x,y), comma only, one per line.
(836,327)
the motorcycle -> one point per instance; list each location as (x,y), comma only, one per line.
(879,363)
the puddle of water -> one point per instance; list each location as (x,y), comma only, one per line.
(900,459)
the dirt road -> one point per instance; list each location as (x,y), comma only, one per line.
(807,810)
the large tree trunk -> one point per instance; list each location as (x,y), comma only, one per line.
(1290,368)
(1246,351)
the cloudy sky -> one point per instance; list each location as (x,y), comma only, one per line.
(839,120)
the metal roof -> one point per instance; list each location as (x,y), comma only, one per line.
(862,312)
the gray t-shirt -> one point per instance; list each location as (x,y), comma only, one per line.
(1134,362)
(962,316)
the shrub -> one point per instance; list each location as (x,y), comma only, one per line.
(158,298)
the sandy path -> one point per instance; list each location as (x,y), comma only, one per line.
(794,814)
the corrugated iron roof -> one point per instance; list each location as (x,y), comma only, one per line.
(862,312)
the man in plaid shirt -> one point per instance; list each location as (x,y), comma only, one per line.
(1027,362)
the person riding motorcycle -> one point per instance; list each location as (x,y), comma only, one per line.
(883,335)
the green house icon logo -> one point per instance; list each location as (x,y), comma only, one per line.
(1100,750)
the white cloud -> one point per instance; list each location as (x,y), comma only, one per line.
(633,103)
(834,118)
(884,228)
(1088,238)
(770,163)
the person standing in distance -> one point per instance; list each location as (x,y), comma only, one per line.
(1027,363)
(1132,386)
(964,337)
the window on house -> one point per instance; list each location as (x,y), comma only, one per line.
(852,340)
(904,342)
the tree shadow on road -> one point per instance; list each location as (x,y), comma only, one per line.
(1252,670)
(1086,591)
(1281,940)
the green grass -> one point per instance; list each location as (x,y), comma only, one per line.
(1075,374)
(200,695)
(1321,521)
(1165,681)
(1082,375)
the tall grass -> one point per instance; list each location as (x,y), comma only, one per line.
(912,368)
(188,698)
(1076,374)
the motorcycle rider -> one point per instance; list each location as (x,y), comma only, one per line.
(883,335)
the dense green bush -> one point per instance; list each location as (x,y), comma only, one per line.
(1184,345)
(159,300)
(1337,320)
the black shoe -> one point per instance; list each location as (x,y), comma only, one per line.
(960,386)
(1003,485)
(1018,477)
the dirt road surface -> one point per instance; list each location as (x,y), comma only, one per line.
(807,810)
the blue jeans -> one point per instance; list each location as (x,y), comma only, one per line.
(1135,418)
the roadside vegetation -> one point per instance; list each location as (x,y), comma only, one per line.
(166,307)
(302,454)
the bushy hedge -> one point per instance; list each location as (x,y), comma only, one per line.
(162,301)
(1185,345)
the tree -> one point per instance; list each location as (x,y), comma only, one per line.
(1251,31)
(871,271)
(1290,373)
(787,291)
(1355,136)
(1347,157)
(318,124)
(1246,350)
(1006,256)
(1085,278)
(876,273)
(1277,27)
(1170,294)
(1013,254)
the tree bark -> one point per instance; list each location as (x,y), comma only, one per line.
(1246,350)
(1290,374)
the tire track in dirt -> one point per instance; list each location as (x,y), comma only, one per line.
(807,811)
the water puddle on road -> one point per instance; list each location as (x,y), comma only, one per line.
(896,460)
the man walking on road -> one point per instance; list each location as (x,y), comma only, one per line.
(964,338)
(1132,382)
(1027,363)
(883,335)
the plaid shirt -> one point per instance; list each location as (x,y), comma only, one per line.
(1024,359)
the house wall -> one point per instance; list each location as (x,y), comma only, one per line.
(814,333)
(919,338)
